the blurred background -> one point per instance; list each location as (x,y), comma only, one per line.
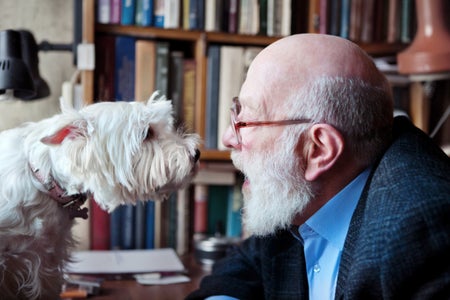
(50,20)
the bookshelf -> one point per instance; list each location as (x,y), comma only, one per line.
(195,43)
(199,41)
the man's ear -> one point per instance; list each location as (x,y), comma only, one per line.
(324,145)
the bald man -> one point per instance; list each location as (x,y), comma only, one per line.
(342,200)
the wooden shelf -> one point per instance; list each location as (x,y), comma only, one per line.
(199,40)
(208,154)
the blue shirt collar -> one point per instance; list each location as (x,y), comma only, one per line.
(332,220)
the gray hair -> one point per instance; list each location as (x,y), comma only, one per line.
(363,113)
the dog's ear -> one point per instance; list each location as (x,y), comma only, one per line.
(68,131)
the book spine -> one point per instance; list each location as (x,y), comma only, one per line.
(262,17)
(145,69)
(200,209)
(116,228)
(124,81)
(172,13)
(150,225)
(162,67)
(176,64)
(103,11)
(233,16)
(116,7)
(147,12)
(128,12)
(231,79)
(234,207)
(100,228)
(212,97)
(182,230)
(104,68)
(127,232)
(139,229)
(345,19)
(158,13)
(189,74)
(217,209)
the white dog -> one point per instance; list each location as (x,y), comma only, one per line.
(114,152)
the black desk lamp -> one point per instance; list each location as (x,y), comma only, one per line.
(15,77)
(19,71)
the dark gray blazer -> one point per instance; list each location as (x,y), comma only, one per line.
(397,247)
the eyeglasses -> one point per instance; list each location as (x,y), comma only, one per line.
(237,125)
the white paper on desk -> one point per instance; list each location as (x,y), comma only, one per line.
(125,261)
(160,280)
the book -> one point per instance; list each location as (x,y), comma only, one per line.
(115,228)
(103,11)
(185,14)
(200,209)
(150,224)
(248,17)
(162,67)
(393,21)
(99,227)
(314,16)
(175,89)
(104,68)
(115,11)
(196,17)
(128,220)
(158,13)
(183,231)
(334,14)
(147,12)
(355,19)
(324,20)
(248,56)
(212,97)
(407,21)
(368,21)
(299,19)
(145,68)
(233,16)
(140,225)
(230,81)
(285,16)
(128,9)
(144,13)
(217,209)
(124,83)
(234,211)
(345,19)
(210,16)
(263,17)
(189,94)
(172,12)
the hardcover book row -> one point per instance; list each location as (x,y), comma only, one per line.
(269,17)
(211,206)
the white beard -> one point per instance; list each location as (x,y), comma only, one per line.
(278,190)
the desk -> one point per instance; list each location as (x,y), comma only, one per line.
(131,290)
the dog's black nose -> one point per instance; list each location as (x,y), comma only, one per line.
(197,155)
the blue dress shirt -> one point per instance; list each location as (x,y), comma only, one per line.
(323,236)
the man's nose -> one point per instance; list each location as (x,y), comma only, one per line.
(228,138)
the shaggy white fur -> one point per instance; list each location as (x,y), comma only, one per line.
(115,152)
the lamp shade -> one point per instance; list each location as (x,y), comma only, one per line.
(30,57)
(14,73)
(430,50)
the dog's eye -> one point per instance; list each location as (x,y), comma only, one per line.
(150,134)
